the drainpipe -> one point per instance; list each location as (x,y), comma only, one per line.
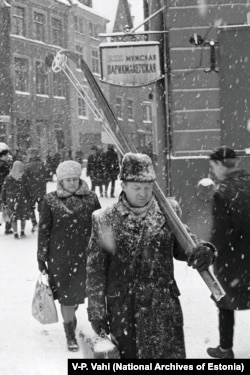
(168,95)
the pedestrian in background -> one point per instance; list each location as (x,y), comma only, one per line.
(131,288)
(38,176)
(231,236)
(112,168)
(64,231)
(4,171)
(16,198)
(96,169)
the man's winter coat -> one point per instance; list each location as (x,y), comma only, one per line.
(64,231)
(16,196)
(130,267)
(231,236)
(96,168)
(111,164)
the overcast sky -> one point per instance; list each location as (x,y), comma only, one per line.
(108,8)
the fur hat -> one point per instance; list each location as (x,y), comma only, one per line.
(137,168)
(222,153)
(68,169)
(4,149)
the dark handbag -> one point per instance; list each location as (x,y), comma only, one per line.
(43,304)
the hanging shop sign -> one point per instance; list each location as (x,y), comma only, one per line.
(130,63)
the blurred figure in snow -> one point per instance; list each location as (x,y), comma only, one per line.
(231,236)
(38,176)
(16,198)
(112,168)
(96,169)
(64,231)
(130,277)
(4,171)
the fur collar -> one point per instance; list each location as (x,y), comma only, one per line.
(62,193)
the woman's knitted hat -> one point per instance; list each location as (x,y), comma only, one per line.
(137,168)
(17,170)
(68,169)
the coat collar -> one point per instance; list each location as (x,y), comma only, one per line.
(62,193)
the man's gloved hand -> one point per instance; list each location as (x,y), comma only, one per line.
(99,325)
(42,266)
(203,256)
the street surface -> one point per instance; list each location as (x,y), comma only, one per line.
(29,348)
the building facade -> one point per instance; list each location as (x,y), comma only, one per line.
(42,106)
(200,56)
(204,59)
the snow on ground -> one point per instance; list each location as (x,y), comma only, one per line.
(29,348)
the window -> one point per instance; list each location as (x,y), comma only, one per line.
(59,139)
(57,32)
(39,26)
(147,112)
(3,132)
(82,107)
(23,134)
(81,30)
(118,107)
(130,109)
(95,61)
(78,25)
(42,82)
(79,49)
(58,85)
(21,74)
(18,27)
(93,30)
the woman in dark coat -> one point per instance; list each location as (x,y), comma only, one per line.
(16,197)
(64,231)
(231,236)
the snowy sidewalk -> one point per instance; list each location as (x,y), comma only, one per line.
(29,348)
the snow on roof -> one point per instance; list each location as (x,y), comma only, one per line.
(80,5)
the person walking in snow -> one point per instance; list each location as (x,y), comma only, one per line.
(112,168)
(64,231)
(38,176)
(96,169)
(16,198)
(231,236)
(4,171)
(131,288)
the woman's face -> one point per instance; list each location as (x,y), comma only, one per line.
(71,184)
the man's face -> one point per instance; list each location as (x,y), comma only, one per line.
(138,193)
(218,169)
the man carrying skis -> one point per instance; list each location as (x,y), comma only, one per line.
(131,288)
